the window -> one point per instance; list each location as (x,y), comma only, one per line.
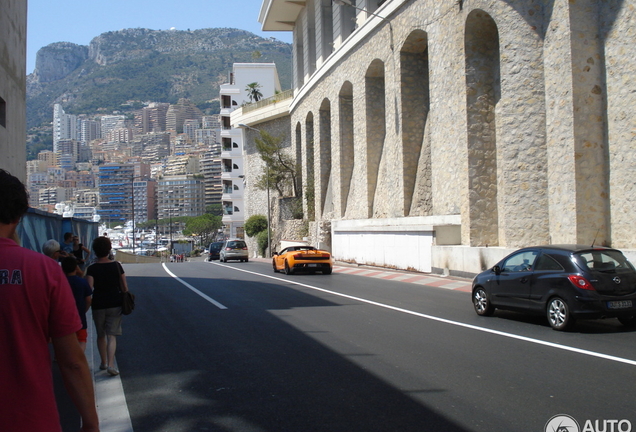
(520,262)
(546,262)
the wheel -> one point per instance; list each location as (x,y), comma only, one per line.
(247,259)
(327,271)
(628,321)
(222,258)
(481,303)
(288,271)
(559,315)
(274,266)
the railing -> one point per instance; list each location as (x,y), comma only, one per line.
(287,94)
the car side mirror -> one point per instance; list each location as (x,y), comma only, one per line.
(497,270)
(274,253)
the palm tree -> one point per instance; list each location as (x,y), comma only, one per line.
(253,92)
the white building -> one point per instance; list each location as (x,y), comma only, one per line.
(233,95)
(64,126)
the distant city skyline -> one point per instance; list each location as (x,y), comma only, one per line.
(80,21)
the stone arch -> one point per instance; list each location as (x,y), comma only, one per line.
(298,154)
(346,144)
(309,165)
(324,125)
(483,89)
(375,97)
(416,147)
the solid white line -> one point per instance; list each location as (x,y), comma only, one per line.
(455,323)
(205,296)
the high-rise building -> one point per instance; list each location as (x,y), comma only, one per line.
(115,183)
(180,112)
(64,126)
(90,130)
(182,195)
(111,122)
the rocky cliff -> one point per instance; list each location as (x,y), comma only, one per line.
(121,69)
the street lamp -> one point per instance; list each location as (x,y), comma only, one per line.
(349,4)
(269,217)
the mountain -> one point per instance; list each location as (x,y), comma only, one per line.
(120,70)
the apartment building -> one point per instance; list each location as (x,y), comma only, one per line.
(233,94)
(180,195)
(64,126)
(115,184)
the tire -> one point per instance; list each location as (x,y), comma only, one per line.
(628,321)
(288,271)
(274,266)
(327,271)
(558,314)
(481,303)
(247,259)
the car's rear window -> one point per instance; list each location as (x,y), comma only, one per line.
(602,260)
(236,244)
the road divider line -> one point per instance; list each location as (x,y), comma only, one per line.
(447,321)
(205,296)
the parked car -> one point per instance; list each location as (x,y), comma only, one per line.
(564,282)
(214,251)
(303,257)
(234,249)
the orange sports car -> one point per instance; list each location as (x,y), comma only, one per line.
(302,258)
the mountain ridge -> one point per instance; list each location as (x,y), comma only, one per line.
(119,70)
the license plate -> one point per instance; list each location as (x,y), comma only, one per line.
(313,265)
(619,304)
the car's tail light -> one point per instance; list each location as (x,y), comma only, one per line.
(580,282)
(245,248)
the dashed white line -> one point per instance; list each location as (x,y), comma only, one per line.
(205,296)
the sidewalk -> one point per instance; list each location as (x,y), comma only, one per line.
(109,394)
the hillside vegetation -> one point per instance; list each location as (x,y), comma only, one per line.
(122,69)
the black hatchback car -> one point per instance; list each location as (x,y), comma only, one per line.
(564,282)
(214,251)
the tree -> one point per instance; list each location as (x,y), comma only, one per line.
(253,92)
(280,169)
(204,226)
(255,224)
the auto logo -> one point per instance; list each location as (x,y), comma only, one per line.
(562,423)
(617,280)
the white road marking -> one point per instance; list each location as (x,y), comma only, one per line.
(447,321)
(205,296)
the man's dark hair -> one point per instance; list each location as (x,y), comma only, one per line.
(69,264)
(68,235)
(101,246)
(14,198)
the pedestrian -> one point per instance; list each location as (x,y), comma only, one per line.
(36,304)
(82,292)
(67,245)
(109,282)
(78,252)
(51,248)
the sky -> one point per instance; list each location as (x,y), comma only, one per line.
(79,21)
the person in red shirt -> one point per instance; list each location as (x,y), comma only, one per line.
(36,304)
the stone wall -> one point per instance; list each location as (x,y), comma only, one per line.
(514,115)
(13,16)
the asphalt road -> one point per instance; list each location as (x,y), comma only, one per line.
(235,347)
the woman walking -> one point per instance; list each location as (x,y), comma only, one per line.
(108,281)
